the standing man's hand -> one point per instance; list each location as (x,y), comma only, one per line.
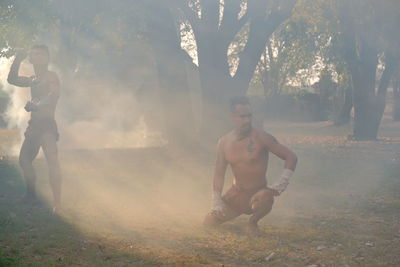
(31,106)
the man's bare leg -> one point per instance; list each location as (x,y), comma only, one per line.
(261,204)
(29,150)
(49,146)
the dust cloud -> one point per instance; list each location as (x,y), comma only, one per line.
(118,173)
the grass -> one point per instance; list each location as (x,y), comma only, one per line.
(144,207)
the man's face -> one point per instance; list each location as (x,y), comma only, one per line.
(38,57)
(241,118)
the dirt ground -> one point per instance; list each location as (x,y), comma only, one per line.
(144,207)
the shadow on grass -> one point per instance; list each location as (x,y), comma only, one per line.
(30,235)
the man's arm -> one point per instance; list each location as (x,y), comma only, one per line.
(13,76)
(285,154)
(219,178)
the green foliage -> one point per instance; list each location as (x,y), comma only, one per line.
(6,261)
(295,49)
(314,38)
(109,24)
(22,22)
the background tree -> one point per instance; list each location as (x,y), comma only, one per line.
(366,32)
(162,33)
(396,97)
(107,51)
(215,25)
(279,41)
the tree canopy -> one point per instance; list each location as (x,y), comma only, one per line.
(274,43)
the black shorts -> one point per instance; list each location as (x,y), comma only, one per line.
(238,199)
(38,127)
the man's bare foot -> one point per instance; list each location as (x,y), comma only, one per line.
(57,209)
(213,219)
(253,230)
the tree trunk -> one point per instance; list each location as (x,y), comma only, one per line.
(172,78)
(390,66)
(363,77)
(396,100)
(215,83)
(345,111)
(362,60)
(259,33)
(368,106)
(213,37)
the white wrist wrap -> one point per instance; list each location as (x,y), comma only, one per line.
(217,201)
(287,173)
(283,182)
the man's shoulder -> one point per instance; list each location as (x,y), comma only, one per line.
(53,74)
(258,132)
(225,138)
(264,136)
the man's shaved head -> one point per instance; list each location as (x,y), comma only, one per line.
(39,55)
(42,47)
(238,100)
(241,114)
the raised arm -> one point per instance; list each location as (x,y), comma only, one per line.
(285,154)
(219,177)
(13,76)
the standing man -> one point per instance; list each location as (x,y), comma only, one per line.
(246,150)
(42,128)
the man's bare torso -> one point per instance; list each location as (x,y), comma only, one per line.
(41,90)
(248,158)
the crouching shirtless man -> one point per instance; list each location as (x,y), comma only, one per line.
(246,150)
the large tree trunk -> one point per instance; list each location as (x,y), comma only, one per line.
(215,83)
(390,66)
(343,116)
(213,37)
(368,106)
(363,73)
(396,100)
(172,78)
(362,60)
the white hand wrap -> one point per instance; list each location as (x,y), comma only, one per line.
(283,182)
(218,203)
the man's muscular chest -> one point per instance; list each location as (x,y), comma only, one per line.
(248,150)
(41,87)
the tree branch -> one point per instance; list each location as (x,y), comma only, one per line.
(190,14)
(390,67)
(210,13)
(261,28)
(229,30)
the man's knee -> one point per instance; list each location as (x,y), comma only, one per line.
(24,161)
(29,150)
(52,162)
(263,200)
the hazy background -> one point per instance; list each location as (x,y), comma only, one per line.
(145,87)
